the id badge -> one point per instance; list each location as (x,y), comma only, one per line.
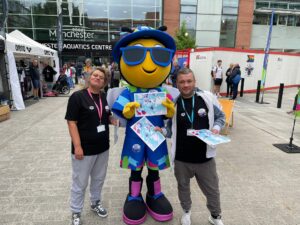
(189,132)
(100,128)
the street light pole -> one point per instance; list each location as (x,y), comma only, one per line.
(59,32)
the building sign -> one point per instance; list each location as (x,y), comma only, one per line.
(81,46)
(75,34)
(201,57)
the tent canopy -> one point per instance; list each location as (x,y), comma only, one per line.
(42,50)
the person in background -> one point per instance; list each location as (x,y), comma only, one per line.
(174,72)
(49,74)
(217,77)
(88,68)
(88,117)
(228,82)
(69,72)
(195,109)
(235,78)
(35,78)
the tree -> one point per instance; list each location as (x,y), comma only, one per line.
(183,39)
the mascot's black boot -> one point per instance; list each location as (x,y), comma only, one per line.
(158,205)
(134,210)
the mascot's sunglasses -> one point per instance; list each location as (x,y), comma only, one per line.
(135,55)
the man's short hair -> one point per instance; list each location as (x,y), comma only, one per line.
(219,60)
(185,71)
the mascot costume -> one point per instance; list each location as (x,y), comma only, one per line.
(145,59)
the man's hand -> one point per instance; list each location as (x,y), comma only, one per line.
(78,153)
(215,131)
(129,109)
(113,121)
(170,107)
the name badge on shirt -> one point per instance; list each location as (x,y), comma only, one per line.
(189,132)
(100,128)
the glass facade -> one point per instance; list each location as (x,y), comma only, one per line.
(287,13)
(229,23)
(84,21)
(188,14)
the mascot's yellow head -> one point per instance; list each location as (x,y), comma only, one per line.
(145,56)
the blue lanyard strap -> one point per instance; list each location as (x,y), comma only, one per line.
(190,117)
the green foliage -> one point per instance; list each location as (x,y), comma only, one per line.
(183,39)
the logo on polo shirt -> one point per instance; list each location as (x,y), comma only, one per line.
(91,107)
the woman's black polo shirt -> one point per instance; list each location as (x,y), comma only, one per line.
(81,108)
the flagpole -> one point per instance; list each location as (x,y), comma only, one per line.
(290,146)
(266,58)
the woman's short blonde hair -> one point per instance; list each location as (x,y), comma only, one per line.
(87,83)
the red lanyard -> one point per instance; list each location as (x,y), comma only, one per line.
(100,103)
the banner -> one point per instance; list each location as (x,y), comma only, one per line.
(265,66)
(297,109)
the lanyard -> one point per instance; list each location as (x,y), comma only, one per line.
(191,118)
(100,104)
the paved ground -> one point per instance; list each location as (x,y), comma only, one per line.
(259,183)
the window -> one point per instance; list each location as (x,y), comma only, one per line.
(261,19)
(49,8)
(190,20)
(188,9)
(282,20)
(278,5)
(297,21)
(230,10)
(189,2)
(231,3)
(291,21)
(294,6)
(21,21)
(262,5)
(228,30)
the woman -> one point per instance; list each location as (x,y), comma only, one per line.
(88,117)
(87,69)
(235,78)
(229,84)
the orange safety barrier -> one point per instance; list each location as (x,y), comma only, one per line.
(227,107)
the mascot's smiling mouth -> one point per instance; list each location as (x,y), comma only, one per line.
(149,71)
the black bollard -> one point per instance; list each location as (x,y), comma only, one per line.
(258,90)
(242,87)
(280,95)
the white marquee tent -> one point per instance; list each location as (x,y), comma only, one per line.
(18,45)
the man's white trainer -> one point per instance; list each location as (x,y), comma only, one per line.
(216,221)
(186,218)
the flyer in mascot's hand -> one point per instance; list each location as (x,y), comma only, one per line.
(150,104)
(145,130)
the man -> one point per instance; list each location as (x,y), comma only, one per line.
(49,73)
(35,78)
(195,110)
(217,77)
(176,68)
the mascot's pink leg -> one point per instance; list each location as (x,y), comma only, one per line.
(158,205)
(134,210)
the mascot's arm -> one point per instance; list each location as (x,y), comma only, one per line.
(129,109)
(170,107)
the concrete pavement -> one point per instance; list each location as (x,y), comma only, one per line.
(259,184)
